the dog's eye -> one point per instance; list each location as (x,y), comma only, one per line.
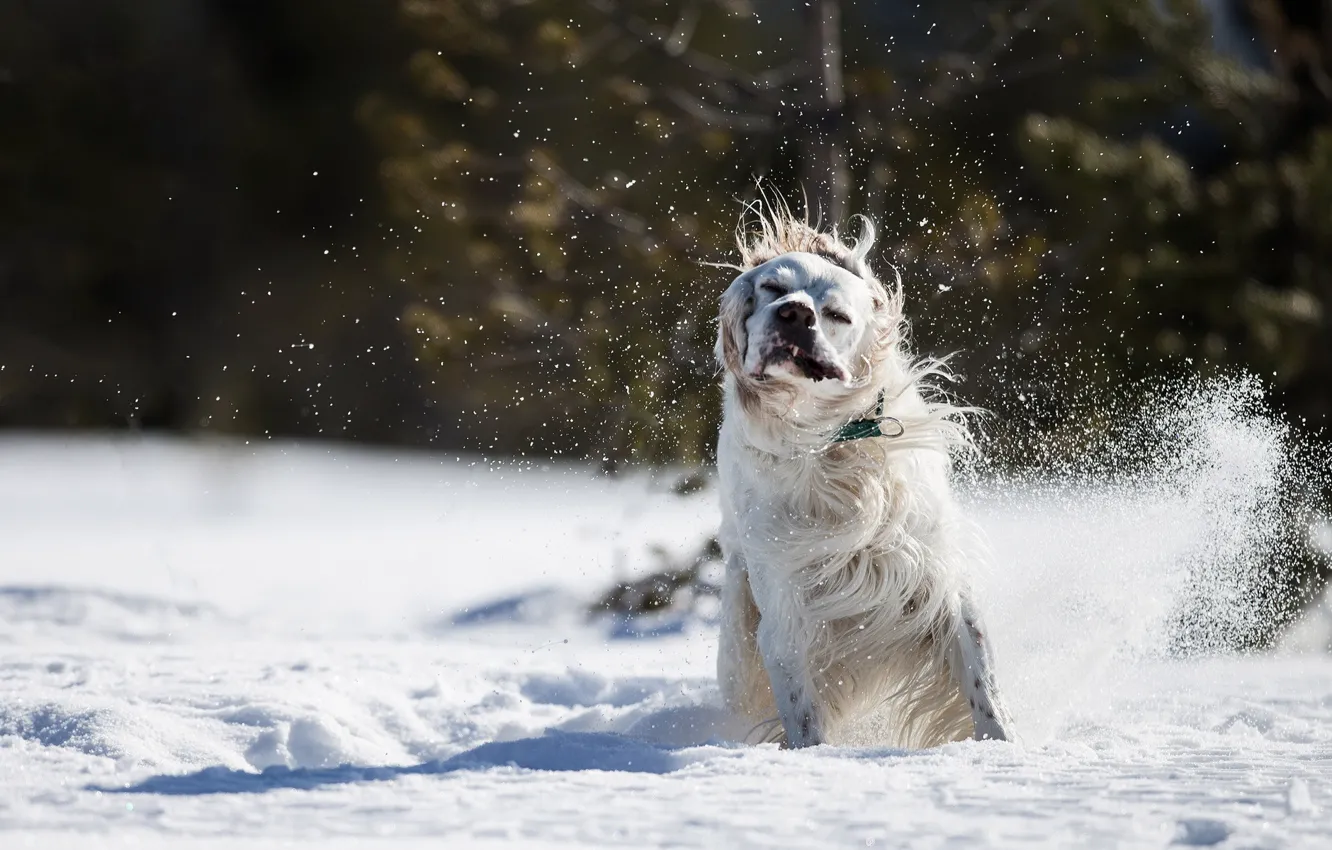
(837,316)
(774,288)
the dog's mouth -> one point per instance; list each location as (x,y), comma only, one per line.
(806,363)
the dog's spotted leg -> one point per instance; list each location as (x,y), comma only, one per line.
(792,690)
(973,666)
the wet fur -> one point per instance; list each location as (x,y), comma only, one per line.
(845,590)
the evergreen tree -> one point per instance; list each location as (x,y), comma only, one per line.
(557,187)
(569,163)
(1075,194)
(1191,197)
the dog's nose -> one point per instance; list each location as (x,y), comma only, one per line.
(796,313)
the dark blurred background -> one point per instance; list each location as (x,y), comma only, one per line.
(478,224)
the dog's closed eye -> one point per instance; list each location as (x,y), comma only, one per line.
(836,316)
(774,288)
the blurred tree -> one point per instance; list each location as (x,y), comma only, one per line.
(1190,196)
(181,187)
(1075,192)
(557,177)
(567,163)
(112,186)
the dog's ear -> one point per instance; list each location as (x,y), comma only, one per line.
(737,304)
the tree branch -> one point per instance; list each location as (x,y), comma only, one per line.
(975,65)
(636,228)
(663,44)
(718,117)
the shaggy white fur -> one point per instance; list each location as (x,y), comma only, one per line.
(846,592)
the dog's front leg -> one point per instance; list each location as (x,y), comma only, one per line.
(784,648)
(740,671)
(974,669)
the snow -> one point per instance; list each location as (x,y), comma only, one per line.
(224,645)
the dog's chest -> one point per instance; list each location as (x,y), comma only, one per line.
(822,487)
(826,503)
(853,546)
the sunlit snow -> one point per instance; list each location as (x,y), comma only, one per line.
(253,645)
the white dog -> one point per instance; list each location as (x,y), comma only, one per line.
(845,592)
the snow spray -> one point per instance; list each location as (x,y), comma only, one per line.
(1180,531)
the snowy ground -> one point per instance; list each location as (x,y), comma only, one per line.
(231,646)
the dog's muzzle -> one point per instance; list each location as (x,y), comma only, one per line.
(794,337)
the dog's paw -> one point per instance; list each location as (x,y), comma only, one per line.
(991,727)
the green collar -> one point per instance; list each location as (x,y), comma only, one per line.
(859,429)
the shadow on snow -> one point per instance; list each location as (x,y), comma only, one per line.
(556,751)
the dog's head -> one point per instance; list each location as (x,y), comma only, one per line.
(806,312)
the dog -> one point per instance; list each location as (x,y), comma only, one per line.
(845,593)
